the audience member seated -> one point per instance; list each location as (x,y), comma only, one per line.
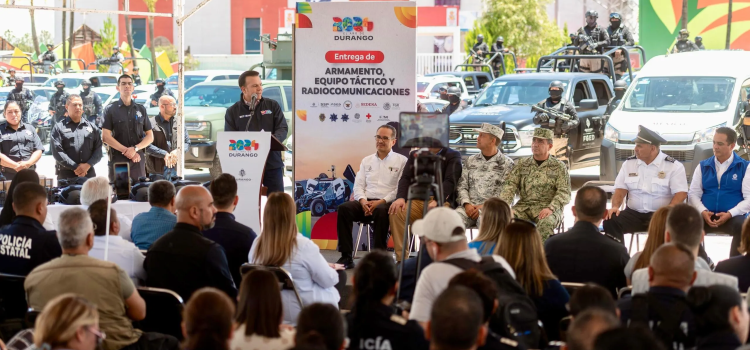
(320,326)
(98,188)
(721,317)
(685,226)
(25,244)
(457,320)
(183,260)
(103,283)
(587,326)
(281,244)
(371,320)
(592,296)
(494,216)
(208,321)
(488,294)
(444,236)
(739,266)
(234,237)
(583,254)
(8,213)
(160,219)
(627,339)
(655,238)
(259,315)
(121,252)
(664,309)
(521,246)
(68,322)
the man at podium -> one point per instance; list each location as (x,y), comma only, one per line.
(255,113)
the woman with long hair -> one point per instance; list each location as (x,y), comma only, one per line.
(281,245)
(207,320)
(7,214)
(371,316)
(495,215)
(260,313)
(320,327)
(521,245)
(68,322)
(656,229)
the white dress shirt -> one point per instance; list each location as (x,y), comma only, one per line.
(651,186)
(121,252)
(378,178)
(704,278)
(696,188)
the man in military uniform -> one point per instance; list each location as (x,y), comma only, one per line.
(21,147)
(542,183)
(480,47)
(11,79)
(591,39)
(619,35)
(454,101)
(77,142)
(48,58)
(559,127)
(650,179)
(699,43)
(161,90)
(136,76)
(483,175)
(92,104)
(58,101)
(22,95)
(497,47)
(115,61)
(684,44)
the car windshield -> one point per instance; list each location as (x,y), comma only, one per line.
(190,80)
(422,86)
(69,82)
(37,79)
(212,96)
(680,94)
(103,96)
(515,92)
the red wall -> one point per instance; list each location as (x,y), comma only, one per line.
(266,10)
(162,25)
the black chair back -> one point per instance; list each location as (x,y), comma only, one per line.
(12,297)
(164,312)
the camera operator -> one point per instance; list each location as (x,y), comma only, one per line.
(451,170)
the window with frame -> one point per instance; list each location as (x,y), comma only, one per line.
(252,35)
(274,93)
(602,91)
(581,92)
(138,26)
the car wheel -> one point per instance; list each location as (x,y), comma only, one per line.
(215,169)
(318,207)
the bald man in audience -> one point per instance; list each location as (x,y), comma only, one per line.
(587,326)
(670,274)
(183,260)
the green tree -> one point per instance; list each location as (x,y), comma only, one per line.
(109,40)
(23,43)
(522,23)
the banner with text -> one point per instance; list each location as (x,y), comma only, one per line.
(355,70)
(243,155)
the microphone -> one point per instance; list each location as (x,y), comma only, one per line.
(253,100)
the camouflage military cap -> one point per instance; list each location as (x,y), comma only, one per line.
(543,133)
(492,130)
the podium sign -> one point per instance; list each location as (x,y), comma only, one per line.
(243,154)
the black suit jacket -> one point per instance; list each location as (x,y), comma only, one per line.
(584,255)
(450,167)
(235,238)
(184,261)
(738,266)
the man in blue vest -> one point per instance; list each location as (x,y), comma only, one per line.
(720,189)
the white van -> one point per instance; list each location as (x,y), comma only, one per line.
(684,97)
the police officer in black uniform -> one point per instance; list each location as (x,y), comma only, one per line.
(22,95)
(92,104)
(265,115)
(161,90)
(684,44)
(11,79)
(127,131)
(77,143)
(48,58)
(136,76)
(21,147)
(497,47)
(58,101)
(699,43)
(591,39)
(454,101)
(559,127)
(481,47)
(619,35)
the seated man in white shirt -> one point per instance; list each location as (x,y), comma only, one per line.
(720,189)
(121,252)
(374,189)
(444,235)
(684,226)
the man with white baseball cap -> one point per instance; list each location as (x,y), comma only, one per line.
(444,236)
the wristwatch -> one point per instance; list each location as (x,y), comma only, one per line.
(135,148)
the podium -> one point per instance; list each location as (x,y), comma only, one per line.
(244,154)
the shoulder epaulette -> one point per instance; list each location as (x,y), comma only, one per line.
(398,319)
(613,238)
(670,159)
